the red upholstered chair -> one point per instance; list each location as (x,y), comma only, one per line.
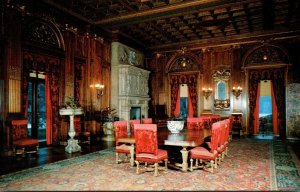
(147,121)
(221,141)
(207,155)
(231,119)
(146,147)
(227,135)
(194,123)
(221,144)
(82,135)
(121,131)
(206,121)
(215,118)
(131,123)
(22,143)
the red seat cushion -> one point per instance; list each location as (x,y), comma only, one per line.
(221,148)
(148,157)
(122,149)
(26,142)
(202,153)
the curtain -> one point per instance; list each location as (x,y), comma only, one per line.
(254,79)
(54,75)
(256,111)
(174,93)
(177,108)
(193,98)
(277,76)
(279,95)
(274,111)
(52,68)
(191,81)
(48,113)
(190,106)
(27,65)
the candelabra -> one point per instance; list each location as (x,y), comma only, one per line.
(237,91)
(207,92)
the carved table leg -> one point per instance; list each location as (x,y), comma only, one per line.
(184,153)
(131,155)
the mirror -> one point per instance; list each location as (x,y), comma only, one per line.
(221,78)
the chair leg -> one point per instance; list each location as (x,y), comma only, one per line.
(37,149)
(155,169)
(14,151)
(117,158)
(215,164)
(166,164)
(23,151)
(191,160)
(212,166)
(137,167)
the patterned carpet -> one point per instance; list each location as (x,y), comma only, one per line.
(251,165)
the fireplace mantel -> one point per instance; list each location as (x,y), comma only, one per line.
(129,82)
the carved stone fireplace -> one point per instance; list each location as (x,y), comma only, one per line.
(129,81)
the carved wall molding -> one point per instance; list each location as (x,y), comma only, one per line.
(129,56)
(133,81)
(221,75)
(187,62)
(265,54)
(14,72)
(45,32)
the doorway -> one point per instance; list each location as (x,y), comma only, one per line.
(265,109)
(37,106)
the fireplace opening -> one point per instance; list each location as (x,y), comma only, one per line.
(135,113)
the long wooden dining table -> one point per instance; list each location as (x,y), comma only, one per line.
(184,139)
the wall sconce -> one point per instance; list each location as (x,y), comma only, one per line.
(207,92)
(237,91)
(99,88)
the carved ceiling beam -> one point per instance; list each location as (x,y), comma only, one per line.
(291,5)
(125,4)
(64,9)
(173,23)
(225,41)
(191,27)
(164,32)
(268,14)
(248,15)
(167,11)
(232,19)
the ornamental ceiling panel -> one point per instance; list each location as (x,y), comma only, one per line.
(169,24)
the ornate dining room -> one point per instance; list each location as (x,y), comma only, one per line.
(198,95)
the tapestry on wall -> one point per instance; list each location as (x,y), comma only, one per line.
(293,110)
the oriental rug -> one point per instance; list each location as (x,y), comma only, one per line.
(250,165)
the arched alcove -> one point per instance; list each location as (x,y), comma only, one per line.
(266,62)
(43,52)
(184,69)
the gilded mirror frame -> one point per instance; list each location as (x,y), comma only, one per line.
(221,86)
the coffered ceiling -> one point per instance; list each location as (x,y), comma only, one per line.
(169,24)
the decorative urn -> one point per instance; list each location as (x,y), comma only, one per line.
(175,126)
